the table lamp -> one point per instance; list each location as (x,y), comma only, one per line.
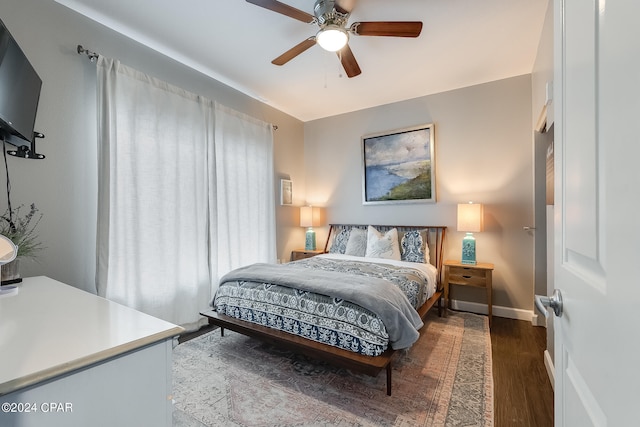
(310,217)
(469,220)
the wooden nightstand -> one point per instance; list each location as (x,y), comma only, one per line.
(302,254)
(479,275)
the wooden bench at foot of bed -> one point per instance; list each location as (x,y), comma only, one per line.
(369,365)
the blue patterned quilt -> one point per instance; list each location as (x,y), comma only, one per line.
(326,318)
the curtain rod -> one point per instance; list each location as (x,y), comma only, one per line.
(93,57)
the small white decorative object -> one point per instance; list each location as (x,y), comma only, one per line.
(8,253)
(286,192)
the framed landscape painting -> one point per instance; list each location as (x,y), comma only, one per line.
(399,166)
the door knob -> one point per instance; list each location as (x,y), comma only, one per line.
(554,302)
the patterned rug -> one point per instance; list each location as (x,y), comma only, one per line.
(445,379)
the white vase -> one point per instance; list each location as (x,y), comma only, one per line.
(11,271)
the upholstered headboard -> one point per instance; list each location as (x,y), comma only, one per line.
(434,234)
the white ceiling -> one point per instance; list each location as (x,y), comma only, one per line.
(463,43)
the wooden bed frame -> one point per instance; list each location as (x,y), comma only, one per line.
(369,365)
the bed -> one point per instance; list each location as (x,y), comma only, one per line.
(354,306)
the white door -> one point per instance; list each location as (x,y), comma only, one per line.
(597,220)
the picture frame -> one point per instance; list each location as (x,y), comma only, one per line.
(286,192)
(399,166)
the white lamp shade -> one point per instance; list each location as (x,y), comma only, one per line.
(332,38)
(310,216)
(470,217)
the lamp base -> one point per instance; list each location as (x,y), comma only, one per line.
(310,240)
(469,249)
(7,291)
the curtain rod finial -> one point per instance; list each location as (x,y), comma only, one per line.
(93,57)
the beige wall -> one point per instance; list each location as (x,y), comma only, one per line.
(64,185)
(483,152)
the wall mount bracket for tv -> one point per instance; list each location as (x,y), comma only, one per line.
(28,152)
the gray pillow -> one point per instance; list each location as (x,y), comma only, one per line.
(357,243)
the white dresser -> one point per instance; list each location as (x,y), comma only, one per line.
(70,358)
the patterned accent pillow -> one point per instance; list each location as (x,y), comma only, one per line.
(414,246)
(383,245)
(339,245)
(357,243)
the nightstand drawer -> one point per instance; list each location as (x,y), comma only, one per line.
(467,276)
(302,254)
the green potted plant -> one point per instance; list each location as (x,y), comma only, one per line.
(21,229)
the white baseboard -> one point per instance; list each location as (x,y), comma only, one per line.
(538,319)
(548,363)
(499,311)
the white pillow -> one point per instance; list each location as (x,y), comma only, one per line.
(357,243)
(383,246)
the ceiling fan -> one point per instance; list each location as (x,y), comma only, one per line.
(332,16)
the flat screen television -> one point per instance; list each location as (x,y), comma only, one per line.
(19,91)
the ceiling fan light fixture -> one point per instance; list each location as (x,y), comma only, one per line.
(332,38)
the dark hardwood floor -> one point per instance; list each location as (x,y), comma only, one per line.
(523,395)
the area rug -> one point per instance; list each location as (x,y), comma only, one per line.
(445,379)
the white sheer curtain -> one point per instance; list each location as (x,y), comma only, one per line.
(163,197)
(244,206)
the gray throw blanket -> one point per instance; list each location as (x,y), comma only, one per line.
(378,295)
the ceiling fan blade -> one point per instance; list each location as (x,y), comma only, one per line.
(345,6)
(284,9)
(387,28)
(294,51)
(349,62)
